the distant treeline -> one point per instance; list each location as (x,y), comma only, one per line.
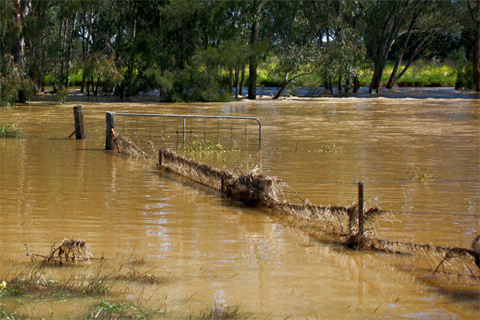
(195,50)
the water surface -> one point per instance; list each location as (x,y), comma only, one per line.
(211,249)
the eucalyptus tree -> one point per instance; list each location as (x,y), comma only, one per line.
(473,13)
(315,37)
(382,22)
(428,20)
(25,27)
(254,12)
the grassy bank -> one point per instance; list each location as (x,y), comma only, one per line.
(419,74)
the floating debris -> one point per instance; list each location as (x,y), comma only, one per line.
(71,250)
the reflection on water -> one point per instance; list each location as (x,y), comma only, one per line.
(213,249)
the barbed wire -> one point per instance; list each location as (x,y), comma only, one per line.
(380,182)
(436,213)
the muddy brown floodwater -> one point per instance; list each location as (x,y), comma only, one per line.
(212,250)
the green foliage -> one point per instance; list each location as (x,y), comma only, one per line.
(61,96)
(190,49)
(28,88)
(10,130)
(200,80)
(464,70)
(99,66)
(464,78)
(10,81)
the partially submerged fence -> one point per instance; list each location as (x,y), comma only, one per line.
(352,226)
(180,128)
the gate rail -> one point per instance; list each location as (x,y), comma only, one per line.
(184,116)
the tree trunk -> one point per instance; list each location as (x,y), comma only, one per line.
(242,80)
(476,56)
(377,75)
(252,69)
(82,89)
(19,49)
(70,47)
(347,85)
(393,77)
(279,93)
(356,84)
(391,80)
(237,71)
(96,89)
(130,62)
(230,83)
(62,50)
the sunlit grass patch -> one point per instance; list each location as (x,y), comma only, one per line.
(205,146)
(424,74)
(330,148)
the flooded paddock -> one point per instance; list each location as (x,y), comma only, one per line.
(206,249)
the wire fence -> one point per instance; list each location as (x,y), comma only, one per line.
(340,222)
(177,131)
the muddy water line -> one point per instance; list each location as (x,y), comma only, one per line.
(215,250)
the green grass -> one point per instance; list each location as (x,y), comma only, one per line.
(419,74)
(75,79)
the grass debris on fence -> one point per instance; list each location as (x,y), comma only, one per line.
(255,188)
(70,250)
(341,223)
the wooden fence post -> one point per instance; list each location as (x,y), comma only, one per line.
(110,118)
(360,209)
(160,156)
(79,127)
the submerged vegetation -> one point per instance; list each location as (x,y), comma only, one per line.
(330,148)
(99,285)
(10,130)
(96,279)
(205,146)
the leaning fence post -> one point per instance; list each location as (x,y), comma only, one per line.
(110,124)
(79,127)
(360,209)
(160,156)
